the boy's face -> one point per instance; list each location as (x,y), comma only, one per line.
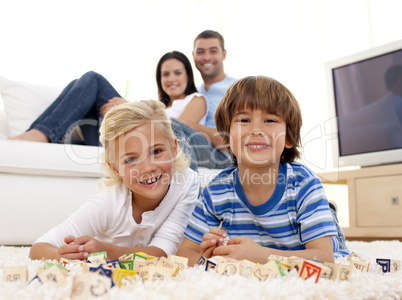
(257,138)
(208,57)
(144,160)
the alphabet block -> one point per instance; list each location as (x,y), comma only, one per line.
(123,277)
(246,267)
(181,261)
(310,270)
(171,266)
(360,264)
(228,268)
(11,274)
(98,257)
(385,264)
(395,265)
(89,285)
(53,274)
(260,272)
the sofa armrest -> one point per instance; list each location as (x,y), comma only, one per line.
(3,123)
(20,157)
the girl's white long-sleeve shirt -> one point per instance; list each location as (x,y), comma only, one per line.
(108,217)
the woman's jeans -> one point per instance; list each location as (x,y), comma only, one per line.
(78,104)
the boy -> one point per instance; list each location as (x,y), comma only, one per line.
(267,203)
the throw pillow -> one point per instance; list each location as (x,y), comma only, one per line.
(24,102)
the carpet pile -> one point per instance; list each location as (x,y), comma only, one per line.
(195,283)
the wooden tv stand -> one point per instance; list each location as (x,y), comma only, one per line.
(375,201)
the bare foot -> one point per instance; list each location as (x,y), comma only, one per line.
(32,135)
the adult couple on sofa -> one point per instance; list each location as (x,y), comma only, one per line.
(85,101)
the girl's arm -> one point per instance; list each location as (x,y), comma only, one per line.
(92,245)
(170,234)
(244,248)
(194,111)
(82,246)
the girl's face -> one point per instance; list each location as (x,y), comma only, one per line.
(144,160)
(257,138)
(174,78)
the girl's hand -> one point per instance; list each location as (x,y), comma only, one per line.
(243,248)
(72,250)
(80,247)
(211,240)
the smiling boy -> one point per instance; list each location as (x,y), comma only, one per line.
(267,202)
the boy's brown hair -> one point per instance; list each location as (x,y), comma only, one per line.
(269,95)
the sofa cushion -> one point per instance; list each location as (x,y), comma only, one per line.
(24,102)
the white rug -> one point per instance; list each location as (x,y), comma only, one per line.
(195,283)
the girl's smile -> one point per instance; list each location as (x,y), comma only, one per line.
(145,162)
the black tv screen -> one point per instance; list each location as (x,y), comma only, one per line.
(368,99)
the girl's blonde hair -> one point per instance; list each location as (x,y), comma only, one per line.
(126,117)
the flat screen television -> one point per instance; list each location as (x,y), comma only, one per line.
(365,102)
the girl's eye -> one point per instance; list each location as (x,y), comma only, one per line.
(156,151)
(178,73)
(130,160)
(165,74)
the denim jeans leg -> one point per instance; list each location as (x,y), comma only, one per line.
(185,147)
(75,103)
(341,236)
(206,155)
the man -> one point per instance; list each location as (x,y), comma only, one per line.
(205,143)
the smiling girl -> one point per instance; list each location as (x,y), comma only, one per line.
(150,195)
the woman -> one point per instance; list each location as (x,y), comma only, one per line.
(85,101)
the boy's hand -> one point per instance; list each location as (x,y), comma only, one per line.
(211,240)
(242,248)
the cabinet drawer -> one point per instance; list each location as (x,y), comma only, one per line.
(379,201)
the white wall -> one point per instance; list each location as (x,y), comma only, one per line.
(51,42)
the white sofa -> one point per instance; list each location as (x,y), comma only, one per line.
(41,184)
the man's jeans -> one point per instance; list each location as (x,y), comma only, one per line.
(78,104)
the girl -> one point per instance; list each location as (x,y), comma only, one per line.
(87,99)
(150,197)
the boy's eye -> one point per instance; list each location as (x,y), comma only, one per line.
(270,121)
(243,120)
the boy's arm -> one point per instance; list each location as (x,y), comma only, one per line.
(191,250)
(244,248)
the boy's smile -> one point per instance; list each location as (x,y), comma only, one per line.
(257,138)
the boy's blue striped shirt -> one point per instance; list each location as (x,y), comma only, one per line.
(295,214)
